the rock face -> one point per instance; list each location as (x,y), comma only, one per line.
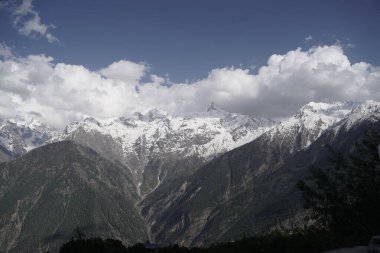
(253,188)
(191,179)
(54,189)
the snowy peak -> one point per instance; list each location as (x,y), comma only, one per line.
(92,120)
(224,131)
(367,107)
(236,118)
(155,114)
(147,116)
(206,134)
(334,109)
(88,125)
(20,121)
(310,122)
(366,111)
(128,122)
(322,115)
(154,135)
(213,109)
(19,135)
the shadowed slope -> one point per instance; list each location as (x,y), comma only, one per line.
(54,189)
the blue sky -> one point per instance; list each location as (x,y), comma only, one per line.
(186,39)
(62,61)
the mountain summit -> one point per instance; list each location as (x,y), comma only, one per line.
(152,143)
(214,108)
(18,136)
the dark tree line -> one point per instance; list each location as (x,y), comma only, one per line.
(79,243)
(274,242)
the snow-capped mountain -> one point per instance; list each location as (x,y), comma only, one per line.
(205,134)
(148,141)
(156,145)
(157,180)
(367,111)
(252,188)
(299,131)
(18,135)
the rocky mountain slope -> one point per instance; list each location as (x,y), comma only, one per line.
(151,144)
(54,189)
(190,179)
(252,188)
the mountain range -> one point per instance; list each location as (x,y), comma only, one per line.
(193,179)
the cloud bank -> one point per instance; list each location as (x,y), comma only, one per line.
(58,93)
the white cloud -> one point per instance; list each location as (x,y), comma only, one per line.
(51,38)
(62,92)
(27,21)
(126,71)
(308,38)
(24,8)
(5,51)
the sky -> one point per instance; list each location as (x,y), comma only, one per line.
(64,60)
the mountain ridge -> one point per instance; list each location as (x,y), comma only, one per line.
(150,143)
(184,199)
(248,189)
(151,140)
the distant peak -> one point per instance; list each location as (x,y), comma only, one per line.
(18,119)
(371,103)
(214,108)
(22,121)
(317,106)
(323,107)
(156,111)
(92,120)
(157,114)
(151,115)
(367,106)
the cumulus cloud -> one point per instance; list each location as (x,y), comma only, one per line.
(59,93)
(27,21)
(126,71)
